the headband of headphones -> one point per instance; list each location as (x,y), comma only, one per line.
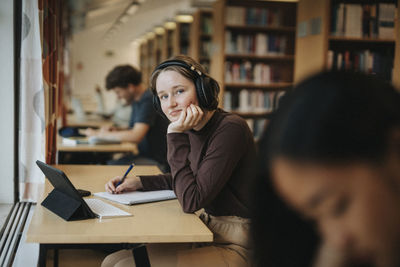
(180,63)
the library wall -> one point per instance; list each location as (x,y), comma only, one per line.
(91,63)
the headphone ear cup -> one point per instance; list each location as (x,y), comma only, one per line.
(157,107)
(201,94)
(156,103)
(210,89)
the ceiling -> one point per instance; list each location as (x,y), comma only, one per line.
(102,16)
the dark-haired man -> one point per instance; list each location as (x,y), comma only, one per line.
(147,127)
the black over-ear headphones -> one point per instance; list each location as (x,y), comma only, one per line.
(207,88)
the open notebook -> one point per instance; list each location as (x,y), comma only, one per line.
(137,197)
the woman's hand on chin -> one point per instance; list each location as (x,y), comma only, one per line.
(188,119)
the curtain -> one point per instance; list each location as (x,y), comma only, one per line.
(31,104)
(40,91)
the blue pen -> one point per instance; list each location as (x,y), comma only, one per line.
(126,173)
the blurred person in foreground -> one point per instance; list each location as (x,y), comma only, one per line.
(331,157)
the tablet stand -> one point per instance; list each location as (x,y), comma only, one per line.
(65,206)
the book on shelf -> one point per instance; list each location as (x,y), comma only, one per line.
(251,101)
(363,20)
(370,62)
(257,126)
(261,44)
(205,48)
(227,101)
(207,25)
(387,16)
(353,20)
(249,72)
(254,16)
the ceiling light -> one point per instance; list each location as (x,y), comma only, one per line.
(184,18)
(159,30)
(150,35)
(170,25)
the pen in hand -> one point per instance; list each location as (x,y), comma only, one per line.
(126,173)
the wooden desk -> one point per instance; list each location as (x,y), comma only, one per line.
(159,222)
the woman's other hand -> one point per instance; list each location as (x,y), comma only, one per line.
(188,119)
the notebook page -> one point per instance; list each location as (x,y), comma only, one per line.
(137,197)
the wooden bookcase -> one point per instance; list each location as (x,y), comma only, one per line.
(170,41)
(159,46)
(253,55)
(201,36)
(331,43)
(182,40)
(144,62)
(159,51)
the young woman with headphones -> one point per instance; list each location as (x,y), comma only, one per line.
(211,154)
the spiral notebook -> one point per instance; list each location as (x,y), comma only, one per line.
(137,197)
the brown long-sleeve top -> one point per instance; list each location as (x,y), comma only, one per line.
(211,168)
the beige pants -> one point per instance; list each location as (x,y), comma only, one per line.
(230,247)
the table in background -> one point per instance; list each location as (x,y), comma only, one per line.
(90,121)
(157,222)
(91,154)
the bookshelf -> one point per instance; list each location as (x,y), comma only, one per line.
(182,41)
(170,31)
(253,56)
(144,62)
(165,42)
(360,35)
(159,51)
(201,34)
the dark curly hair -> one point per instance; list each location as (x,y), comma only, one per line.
(122,76)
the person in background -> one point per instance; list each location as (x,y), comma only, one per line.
(332,154)
(120,115)
(147,127)
(211,154)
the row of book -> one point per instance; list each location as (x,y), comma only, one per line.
(184,34)
(258,44)
(248,72)
(205,48)
(364,20)
(253,101)
(239,16)
(364,61)
(206,64)
(207,25)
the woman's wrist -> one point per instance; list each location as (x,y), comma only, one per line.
(138,183)
(173,130)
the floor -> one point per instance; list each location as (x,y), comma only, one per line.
(77,257)
(27,254)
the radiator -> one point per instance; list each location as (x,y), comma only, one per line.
(12,232)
